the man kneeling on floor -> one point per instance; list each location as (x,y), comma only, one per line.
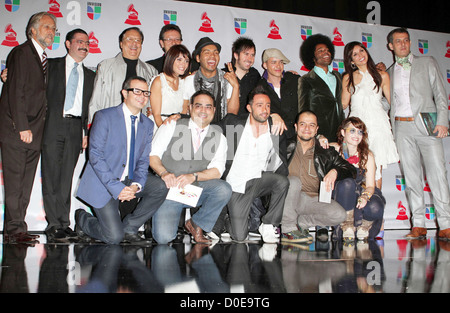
(309,164)
(190,151)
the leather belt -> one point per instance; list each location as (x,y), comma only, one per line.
(404,119)
(71,116)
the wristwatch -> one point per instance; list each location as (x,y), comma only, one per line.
(196,177)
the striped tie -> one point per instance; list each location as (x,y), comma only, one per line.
(44,62)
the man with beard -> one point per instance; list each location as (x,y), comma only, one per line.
(256,166)
(22,117)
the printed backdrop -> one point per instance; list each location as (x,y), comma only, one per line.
(104,20)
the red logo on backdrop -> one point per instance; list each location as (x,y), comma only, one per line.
(427,187)
(206,24)
(93,44)
(54,8)
(11,37)
(133,16)
(402,216)
(447,55)
(274,31)
(337,40)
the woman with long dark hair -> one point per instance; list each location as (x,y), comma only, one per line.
(361,199)
(363,87)
(167,88)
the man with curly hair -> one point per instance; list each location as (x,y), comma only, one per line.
(320,90)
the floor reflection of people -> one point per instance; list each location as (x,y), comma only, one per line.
(54,271)
(13,274)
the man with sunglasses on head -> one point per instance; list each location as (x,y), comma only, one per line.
(116,172)
(309,165)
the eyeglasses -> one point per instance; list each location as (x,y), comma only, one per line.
(136,40)
(170,40)
(354,131)
(139,92)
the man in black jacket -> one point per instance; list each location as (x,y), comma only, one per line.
(309,165)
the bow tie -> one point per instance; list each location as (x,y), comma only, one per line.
(404,62)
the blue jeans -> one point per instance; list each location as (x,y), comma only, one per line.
(215,196)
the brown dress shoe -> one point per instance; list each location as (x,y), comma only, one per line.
(417,233)
(20,238)
(444,234)
(196,232)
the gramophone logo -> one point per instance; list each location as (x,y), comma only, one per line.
(240,25)
(12,5)
(94,10)
(447,54)
(337,38)
(305,31)
(170,17)
(133,16)
(93,44)
(11,37)
(423,46)
(54,8)
(367,40)
(274,31)
(206,26)
(402,216)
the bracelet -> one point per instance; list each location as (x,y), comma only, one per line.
(164,172)
(367,194)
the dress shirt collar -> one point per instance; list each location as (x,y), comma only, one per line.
(127,113)
(38,47)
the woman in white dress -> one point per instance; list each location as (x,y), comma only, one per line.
(167,88)
(363,87)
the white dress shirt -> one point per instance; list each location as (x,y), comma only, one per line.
(401,90)
(165,133)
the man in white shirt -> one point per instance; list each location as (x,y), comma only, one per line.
(69,90)
(256,167)
(189,151)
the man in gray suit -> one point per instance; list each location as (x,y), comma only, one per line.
(417,86)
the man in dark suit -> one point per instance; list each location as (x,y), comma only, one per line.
(22,118)
(69,90)
(113,175)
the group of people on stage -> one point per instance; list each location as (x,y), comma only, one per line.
(263,150)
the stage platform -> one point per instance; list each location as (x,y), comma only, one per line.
(391,265)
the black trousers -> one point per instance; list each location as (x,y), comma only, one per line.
(19,170)
(60,151)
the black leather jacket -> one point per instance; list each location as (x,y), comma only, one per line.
(325,160)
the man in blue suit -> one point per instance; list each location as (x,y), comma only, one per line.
(113,175)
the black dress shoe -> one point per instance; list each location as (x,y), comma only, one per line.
(80,233)
(135,239)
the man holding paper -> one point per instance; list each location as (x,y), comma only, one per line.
(417,86)
(311,169)
(186,154)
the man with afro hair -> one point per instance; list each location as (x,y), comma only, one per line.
(320,90)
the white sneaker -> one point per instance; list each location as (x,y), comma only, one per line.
(269,233)
(348,234)
(213,236)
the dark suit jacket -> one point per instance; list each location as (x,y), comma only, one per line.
(23,99)
(158,63)
(234,137)
(314,95)
(56,92)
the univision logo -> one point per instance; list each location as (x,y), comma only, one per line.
(338,65)
(240,25)
(12,5)
(367,40)
(400,183)
(170,17)
(56,42)
(305,31)
(94,10)
(423,46)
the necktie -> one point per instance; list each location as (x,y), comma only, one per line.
(404,62)
(132,140)
(198,140)
(71,88)
(44,62)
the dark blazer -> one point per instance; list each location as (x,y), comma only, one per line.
(158,63)
(23,99)
(287,106)
(314,95)
(234,138)
(56,93)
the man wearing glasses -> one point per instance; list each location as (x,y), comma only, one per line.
(111,73)
(309,164)
(169,36)
(119,146)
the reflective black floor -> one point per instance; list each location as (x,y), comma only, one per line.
(391,265)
